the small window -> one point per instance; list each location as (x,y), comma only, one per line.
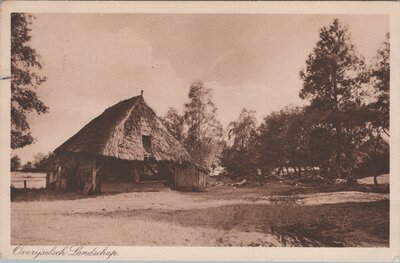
(146,139)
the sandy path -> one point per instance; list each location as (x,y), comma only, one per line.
(123,231)
(177,201)
(98,220)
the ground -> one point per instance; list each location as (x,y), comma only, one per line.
(274,214)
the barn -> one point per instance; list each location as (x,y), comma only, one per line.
(126,148)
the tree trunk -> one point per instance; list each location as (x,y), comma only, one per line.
(375,179)
(374,158)
(337,126)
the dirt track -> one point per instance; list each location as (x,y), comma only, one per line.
(259,216)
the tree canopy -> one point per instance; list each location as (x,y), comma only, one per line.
(175,123)
(334,71)
(15,163)
(238,155)
(379,74)
(198,128)
(334,82)
(25,79)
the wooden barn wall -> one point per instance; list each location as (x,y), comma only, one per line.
(189,178)
(52,172)
(70,172)
(85,173)
(85,179)
(60,171)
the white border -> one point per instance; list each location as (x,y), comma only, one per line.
(213,253)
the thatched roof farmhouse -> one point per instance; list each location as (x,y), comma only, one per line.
(118,133)
(126,148)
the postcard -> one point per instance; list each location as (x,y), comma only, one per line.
(200,130)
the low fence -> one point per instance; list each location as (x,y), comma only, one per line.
(23,180)
(29,184)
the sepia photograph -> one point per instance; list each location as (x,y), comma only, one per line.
(166,129)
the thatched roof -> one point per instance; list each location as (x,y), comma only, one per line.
(117,132)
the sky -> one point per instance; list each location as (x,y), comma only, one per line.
(93,61)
